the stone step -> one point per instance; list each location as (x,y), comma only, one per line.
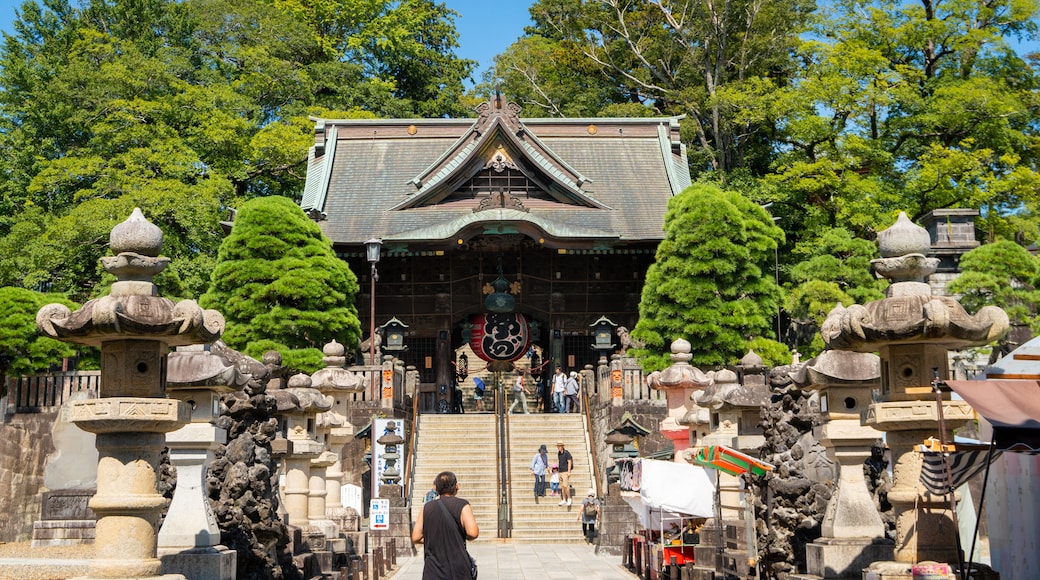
(468,446)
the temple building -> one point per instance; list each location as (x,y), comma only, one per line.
(498,231)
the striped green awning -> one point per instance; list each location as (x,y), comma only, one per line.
(730,461)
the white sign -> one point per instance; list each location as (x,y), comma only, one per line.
(379,514)
(350,496)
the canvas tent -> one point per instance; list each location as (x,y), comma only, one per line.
(671,490)
(1011,407)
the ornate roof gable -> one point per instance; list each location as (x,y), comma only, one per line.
(499,142)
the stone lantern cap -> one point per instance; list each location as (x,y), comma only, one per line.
(335,376)
(133,309)
(728,392)
(839,368)
(917,319)
(618,438)
(215,366)
(311,401)
(681,374)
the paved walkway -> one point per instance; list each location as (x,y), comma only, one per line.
(507,561)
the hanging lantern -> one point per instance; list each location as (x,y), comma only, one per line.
(462,367)
(499,337)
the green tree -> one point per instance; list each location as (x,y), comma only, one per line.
(906,105)
(22,350)
(670,57)
(1002,274)
(712,282)
(280,286)
(834,268)
(185,109)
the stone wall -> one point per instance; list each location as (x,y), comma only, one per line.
(618,518)
(25,443)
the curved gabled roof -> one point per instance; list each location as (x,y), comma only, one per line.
(580,182)
(498,132)
(498,219)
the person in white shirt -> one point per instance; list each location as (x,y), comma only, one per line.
(559,384)
(519,394)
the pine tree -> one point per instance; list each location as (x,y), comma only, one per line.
(280,286)
(712,282)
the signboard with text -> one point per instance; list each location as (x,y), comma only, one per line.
(379,514)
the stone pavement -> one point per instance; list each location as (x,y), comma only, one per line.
(508,561)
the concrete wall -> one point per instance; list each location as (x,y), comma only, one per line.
(25,443)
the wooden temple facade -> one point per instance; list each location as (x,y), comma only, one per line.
(552,220)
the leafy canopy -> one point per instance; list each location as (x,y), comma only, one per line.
(280,286)
(712,282)
(23,351)
(186,109)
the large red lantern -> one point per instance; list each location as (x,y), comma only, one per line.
(499,337)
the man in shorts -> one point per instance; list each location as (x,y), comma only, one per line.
(566,465)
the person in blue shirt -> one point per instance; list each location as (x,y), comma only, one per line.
(539,467)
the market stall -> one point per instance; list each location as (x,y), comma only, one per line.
(672,500)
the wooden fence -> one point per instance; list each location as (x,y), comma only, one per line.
(41,393)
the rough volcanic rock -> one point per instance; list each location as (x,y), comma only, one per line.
(242,484)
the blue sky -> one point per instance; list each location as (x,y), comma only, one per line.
(486,27)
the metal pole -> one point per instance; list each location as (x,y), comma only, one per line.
(376,394)
(951,493)
(965,570)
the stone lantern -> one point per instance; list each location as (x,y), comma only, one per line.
(198,375)
(912,331)
(134,329)
(853,535)
(339,386)
(680,381)
(391,441)
(302,448)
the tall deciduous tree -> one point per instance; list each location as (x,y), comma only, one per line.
(908,105)
(185,109)
(280,286)
(22,349)
(712,282)
(673,57)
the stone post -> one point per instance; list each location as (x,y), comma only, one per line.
(303,448)
(134,327)
(339,386)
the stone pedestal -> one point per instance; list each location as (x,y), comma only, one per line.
(296,495)
(126,502)
(189,540)
(925,528)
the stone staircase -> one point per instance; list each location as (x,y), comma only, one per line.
(543,520)
(465,444)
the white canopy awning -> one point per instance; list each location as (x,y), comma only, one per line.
(677,489)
